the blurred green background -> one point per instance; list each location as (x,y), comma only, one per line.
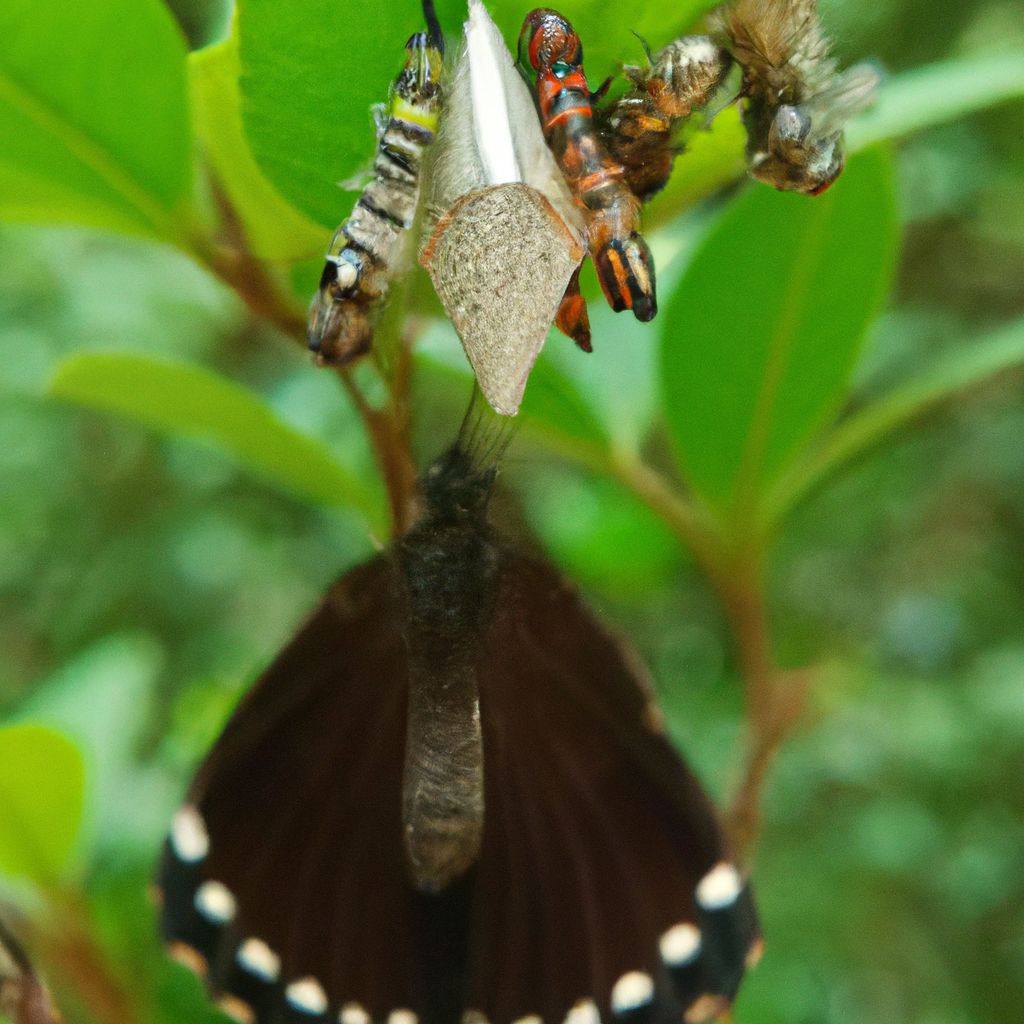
(145,578)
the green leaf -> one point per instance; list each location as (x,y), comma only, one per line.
(192,402)
(274,229)
(102,700)
(609,31)
(42,793)
(759,339)
(969,364)
(93,115)
(310,74)
(908,102)
(553,410)
(936,94)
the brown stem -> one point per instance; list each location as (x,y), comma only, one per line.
(388,427)
(388,430)
(774,703)
(66,943)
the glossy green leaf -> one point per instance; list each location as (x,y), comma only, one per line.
(42,795)
(908,102)
(192,402)
(274,229)
(968,364)
(93,115)
(759,339)
(310,75)
(938,93)
(609,31)
(553,410)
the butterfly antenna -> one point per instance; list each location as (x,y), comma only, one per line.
(647,47)
(433,25)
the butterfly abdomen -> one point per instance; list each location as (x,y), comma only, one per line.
(363,254)
(449,567)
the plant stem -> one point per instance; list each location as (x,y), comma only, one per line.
(67,943)
(388,430)
(386,427)
(774,704)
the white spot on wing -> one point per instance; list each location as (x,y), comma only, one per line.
(353,1013)
(632,990)
(256,957)
(215,902)
(583,1012)
(531,1018)
(402,1017)
(307,995)
(680,945)
(188,835)
(719,888)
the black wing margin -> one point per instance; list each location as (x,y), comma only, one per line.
(605,886)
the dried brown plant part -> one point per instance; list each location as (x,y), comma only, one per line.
(500,260)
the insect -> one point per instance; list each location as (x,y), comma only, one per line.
(362,255)
(503,235)
(450,798)
(549,45)
(796,102)
(638,129)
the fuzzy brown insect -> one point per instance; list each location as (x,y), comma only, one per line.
(796,101)
(639,128)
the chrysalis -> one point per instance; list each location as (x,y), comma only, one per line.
(504,237)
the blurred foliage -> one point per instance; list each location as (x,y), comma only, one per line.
(146,576)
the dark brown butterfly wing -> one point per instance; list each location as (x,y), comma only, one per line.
(298,807)
(596,833)
(284,879)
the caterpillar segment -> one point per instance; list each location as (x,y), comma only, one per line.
(368,247)
(550,47)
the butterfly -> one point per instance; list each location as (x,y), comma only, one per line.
(362,256)
(796,101)
(451,799)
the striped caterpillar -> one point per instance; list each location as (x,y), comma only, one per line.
(362,256)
